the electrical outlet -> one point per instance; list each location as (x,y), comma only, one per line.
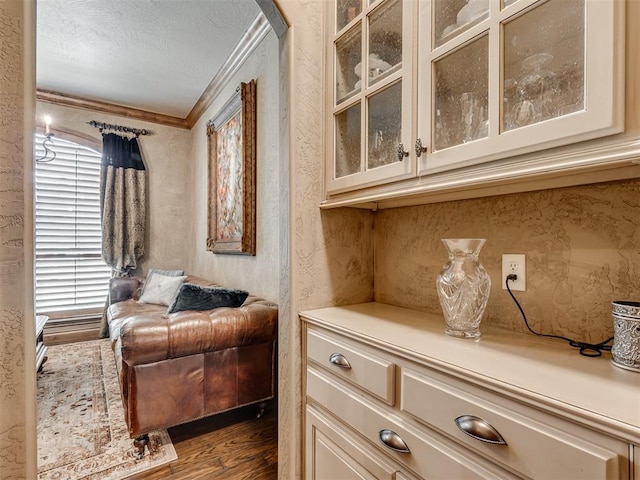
(514,263)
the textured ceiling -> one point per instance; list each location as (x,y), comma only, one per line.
(154,55)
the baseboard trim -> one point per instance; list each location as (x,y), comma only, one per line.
(58,332)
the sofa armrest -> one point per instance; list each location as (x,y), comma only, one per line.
(123,288)
(152,338)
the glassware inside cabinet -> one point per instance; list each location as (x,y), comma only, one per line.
(452,17)
(346,11)
(543,75)
(460,112)
(347,135)
(384,126)
(348,65)
(385,41)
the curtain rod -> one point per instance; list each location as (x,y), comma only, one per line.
(119,128)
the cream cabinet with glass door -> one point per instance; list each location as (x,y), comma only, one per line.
(371,73)
(504,77)
(435,95)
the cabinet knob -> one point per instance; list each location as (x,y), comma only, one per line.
(401,152)
(339,360)
(479,429)
(420,149)
(392,440)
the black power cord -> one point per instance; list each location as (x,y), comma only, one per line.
(586,349)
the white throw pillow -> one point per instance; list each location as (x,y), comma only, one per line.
(161,289)
(155,271)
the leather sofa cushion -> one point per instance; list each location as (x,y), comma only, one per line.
(154,337)
(118,312)
(148,334)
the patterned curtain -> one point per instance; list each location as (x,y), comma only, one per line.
(123,206)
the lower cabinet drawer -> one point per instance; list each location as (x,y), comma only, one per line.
(333,453)
(534,444)
(416,450)
(373,374)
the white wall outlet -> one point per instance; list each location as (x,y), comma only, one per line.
(514,263)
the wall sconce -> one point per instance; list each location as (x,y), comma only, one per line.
(49,154)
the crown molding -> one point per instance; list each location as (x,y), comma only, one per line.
(274,15)
(110,108)
(245,47)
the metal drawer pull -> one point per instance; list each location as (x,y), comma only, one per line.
(339,360)
(392,440)
(479,429)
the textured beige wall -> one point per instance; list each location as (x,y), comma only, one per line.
(17,349)
(331,252)
(169,189)
(582,247)
(258,274)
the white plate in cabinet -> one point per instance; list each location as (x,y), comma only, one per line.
(417,450)
(520,440)
(365,370)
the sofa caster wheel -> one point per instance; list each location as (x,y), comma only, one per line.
(139,443)
(261,408)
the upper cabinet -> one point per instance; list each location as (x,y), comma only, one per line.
(497,79)
(432,94)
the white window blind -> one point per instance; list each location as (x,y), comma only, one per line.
(71,277)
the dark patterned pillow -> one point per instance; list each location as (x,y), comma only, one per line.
(196,297)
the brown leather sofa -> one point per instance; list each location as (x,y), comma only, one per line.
(191,364)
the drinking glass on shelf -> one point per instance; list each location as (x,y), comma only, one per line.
(470,115)
(538,91)
(510,95)
(525,113)
(482,129)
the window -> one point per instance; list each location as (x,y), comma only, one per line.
(71,277)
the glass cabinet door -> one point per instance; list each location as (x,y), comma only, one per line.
(461,95)
(348,64)
(498,78)
(371,73)
(543,76)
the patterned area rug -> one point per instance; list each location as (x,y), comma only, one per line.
(81,429)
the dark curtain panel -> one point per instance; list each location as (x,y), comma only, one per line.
(123,206)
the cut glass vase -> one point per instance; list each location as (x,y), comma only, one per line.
(463,287)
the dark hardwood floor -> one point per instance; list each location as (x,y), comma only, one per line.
(231,446)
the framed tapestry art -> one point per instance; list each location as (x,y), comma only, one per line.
(231,144)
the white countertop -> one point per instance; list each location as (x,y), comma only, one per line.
(545,371)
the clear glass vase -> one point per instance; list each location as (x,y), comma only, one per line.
(463,287)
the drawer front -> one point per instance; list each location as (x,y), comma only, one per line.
(533,448)
(427,456)
(369,372)
(333,453)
